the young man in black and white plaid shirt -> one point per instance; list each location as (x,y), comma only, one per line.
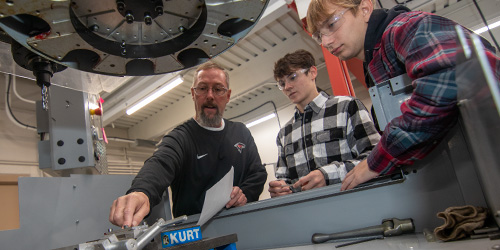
(326,137)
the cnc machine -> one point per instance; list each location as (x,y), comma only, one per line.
(128,38)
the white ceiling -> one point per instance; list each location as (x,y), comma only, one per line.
(250,63)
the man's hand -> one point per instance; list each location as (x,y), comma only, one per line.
(238,198)
(129,210)
(359,174)
(314,179)
(279,188)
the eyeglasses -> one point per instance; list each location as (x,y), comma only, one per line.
(203,90)
(332,25)
(292,78)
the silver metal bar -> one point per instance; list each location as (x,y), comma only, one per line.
(155,229)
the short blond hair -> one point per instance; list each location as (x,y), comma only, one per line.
(319,11)
(210,65)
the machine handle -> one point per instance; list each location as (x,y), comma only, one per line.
(389,227)
(320,238)
(357,233)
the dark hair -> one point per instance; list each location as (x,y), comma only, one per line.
(300,59)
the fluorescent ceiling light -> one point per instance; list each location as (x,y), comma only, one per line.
(170,85)
(263,119)
(484,29)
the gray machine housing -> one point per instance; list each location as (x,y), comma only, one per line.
(479,103)
(74,138)
(388,96)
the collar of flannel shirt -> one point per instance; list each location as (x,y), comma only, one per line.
(315,105)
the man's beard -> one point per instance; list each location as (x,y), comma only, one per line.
(214,121)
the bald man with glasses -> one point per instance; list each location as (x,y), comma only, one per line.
(326,137)
(196,155)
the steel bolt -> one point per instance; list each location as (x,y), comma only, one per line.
(77,221)
(148,19)
(159,10)
(120,5)
(129,17)
(94,27)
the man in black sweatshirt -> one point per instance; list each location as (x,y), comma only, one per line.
(196,155)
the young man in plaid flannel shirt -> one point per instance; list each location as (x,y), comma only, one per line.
(326,137)
(391,43)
